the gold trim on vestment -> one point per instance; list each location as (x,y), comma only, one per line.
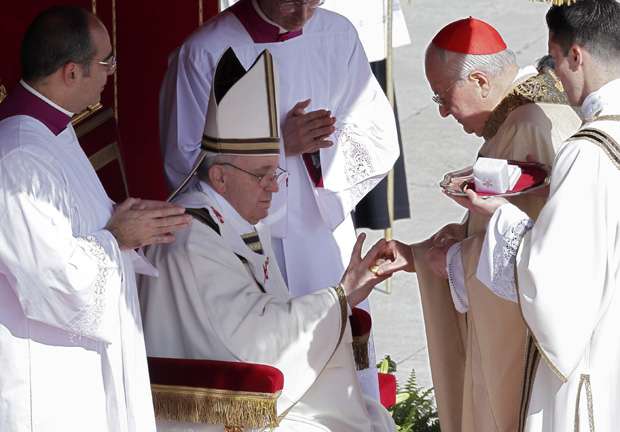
(542,88)
(3,93)
(213,406)
(344,310)
(532,361)
(241,145)
(253,242)
(584,380)
(602,140)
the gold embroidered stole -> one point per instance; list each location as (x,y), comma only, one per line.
(543,88)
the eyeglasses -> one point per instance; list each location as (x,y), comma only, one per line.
(110,63)
(278,176)
(290,5)
(439,98)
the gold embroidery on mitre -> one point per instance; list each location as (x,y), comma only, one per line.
(542,88)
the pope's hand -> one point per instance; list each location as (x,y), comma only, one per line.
(136,223)
(484,206)
(307,132)
(358,281)
(396,256)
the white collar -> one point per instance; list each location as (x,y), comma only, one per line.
(261,14)
(231,215)
(44,99)
(604,101)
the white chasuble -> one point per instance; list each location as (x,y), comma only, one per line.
(568,272)
(72,354)
(218,299)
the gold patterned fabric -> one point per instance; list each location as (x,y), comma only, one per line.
(211,406)
(543,88)
(603,140)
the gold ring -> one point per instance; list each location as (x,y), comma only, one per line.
(374,269)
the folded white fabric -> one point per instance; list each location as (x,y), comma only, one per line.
(495,175)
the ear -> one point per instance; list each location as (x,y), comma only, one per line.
(70,73)
(217,178)
(575,57)
(482,81)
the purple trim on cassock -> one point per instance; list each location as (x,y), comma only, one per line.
(259,29)
(21,102)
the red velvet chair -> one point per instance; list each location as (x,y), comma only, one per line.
(234,394)
(237,395)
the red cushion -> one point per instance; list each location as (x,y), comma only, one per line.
(213,374)
(387,389)
(361,323)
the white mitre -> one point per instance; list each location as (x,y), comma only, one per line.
(242,116)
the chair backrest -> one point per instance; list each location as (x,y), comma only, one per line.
(98,134)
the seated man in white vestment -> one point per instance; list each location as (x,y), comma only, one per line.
(338,134)
(72,354)
(563,270)
(220,294)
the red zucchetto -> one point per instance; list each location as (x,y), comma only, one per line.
(469,36)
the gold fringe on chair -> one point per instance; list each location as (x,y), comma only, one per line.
(559,2)
(233,409)
(360,351)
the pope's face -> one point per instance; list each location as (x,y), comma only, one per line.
(460,99)
(243,190)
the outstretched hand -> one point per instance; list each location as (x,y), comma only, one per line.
(307,132)
(358,281)
(136,223)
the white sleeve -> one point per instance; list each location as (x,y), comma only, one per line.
(60,279)
(456,278)
(183,102)
(365,142)
(496,267)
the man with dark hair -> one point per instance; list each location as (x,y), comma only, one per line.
(564,269)
(72,350)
